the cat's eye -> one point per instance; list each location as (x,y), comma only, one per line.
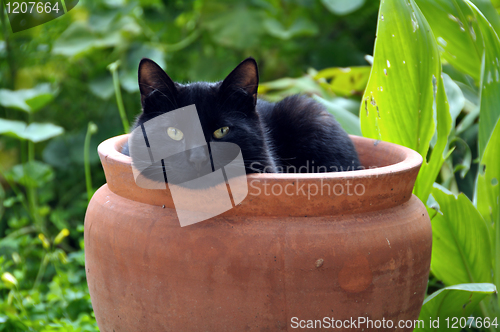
(221,132)
(175,133)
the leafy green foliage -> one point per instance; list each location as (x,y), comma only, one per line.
(406,102)
(446,302)
(457,256)
(28,100)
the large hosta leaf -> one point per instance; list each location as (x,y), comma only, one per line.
(461,243)
(405,88)
(454,301)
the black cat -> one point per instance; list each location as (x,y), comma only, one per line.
(295,135)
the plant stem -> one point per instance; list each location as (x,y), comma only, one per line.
(41,271)
(8,47)
(91,129)
(31,192)
(113,68)
(64,6)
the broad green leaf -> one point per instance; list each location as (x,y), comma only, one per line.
(347,120)
(405,90)
(102,87)
(460,241)
(12,128)
(486,7)
(38,132)
(470,43)
(490,80)
(240,28)
(345,81)
(13,99)
(301,27)
(277,90)
(342,7)
(39,96)
(464,166)
(454,301)
(458,36)
(488,181)
(397,104)
(80,38)
(35,132)
(33,175)
(430,170)
(456,99)
(28,100)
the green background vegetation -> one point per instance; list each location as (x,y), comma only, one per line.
(431,83)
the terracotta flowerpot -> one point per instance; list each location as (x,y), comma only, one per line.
(270,264)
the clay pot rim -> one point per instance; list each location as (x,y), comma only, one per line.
(388,185)
(408,160)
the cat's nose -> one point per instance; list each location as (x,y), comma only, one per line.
(198,159)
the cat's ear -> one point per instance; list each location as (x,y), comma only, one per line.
(245,77)
(153,78)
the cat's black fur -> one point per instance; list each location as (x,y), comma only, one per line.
(296,134)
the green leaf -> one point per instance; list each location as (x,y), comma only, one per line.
(464,166)
(13,99)
(80,38)
(456,99)
(277,90)
(430,170)
(470,43)
(347,120)
(486,7)
(102,87)
(405,90)
(240,28)
(301,27)
(342,7)
(28,100)
(460,241)
(490,80)
(33,175)
(39,96)
(346,81)
(454,301)
(458,37)
(12,128)
(397,104)
(38,132)
(488,181)
(35,132)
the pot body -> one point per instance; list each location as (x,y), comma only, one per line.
(242,271)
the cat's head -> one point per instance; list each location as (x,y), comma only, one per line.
(226,112)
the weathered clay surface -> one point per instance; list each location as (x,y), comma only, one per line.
(267,260)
